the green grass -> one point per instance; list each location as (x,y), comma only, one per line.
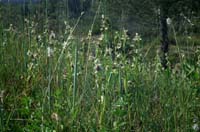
(82,87)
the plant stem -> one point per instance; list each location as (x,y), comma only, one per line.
(75,74)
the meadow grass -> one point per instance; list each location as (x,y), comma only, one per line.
(112,83)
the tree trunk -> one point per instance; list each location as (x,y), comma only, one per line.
(164,37)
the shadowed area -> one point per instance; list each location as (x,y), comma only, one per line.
(19,1)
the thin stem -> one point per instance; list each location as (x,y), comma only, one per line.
(75,75)
(60,58)
(177,45)
(88,50)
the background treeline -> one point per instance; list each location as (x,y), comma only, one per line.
(46,12)
(163,19)
(141,16)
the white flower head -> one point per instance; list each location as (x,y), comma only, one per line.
(49,51)
(102,98)
(101,37)
(169,21)
(30,66)
(195,127)
(108,51)
(137,37)
(189,37)
(39,38)
(82,13)
(102,16)
(29,53)
(54,116)
(65,44)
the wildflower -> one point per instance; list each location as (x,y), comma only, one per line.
(89,34)
(106,28)
(118,56)
(129,82)
(65,44)
(102,16)
(195,127)
(108,51)
(71,37)
(96,61)
(120,102)
(157,11)
(115,64)
(125,31)
(101,37)
(67,27)
(26,21)
(29,53)
(82,13)
(125,35)
(11,27)
(106,67)
(115,124)
(39,38)
(30,66)
(137,37)
(98,66)
(1,96)
(122,66)
(65,73)
(35,55)
(169,21)
(91,58)
(52,35)
(189,37)
(65,22)
(102,98)
(183,55)
(54,116)
(49,52)
(119,45)
(136,51)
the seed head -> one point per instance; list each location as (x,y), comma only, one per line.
(54,116)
